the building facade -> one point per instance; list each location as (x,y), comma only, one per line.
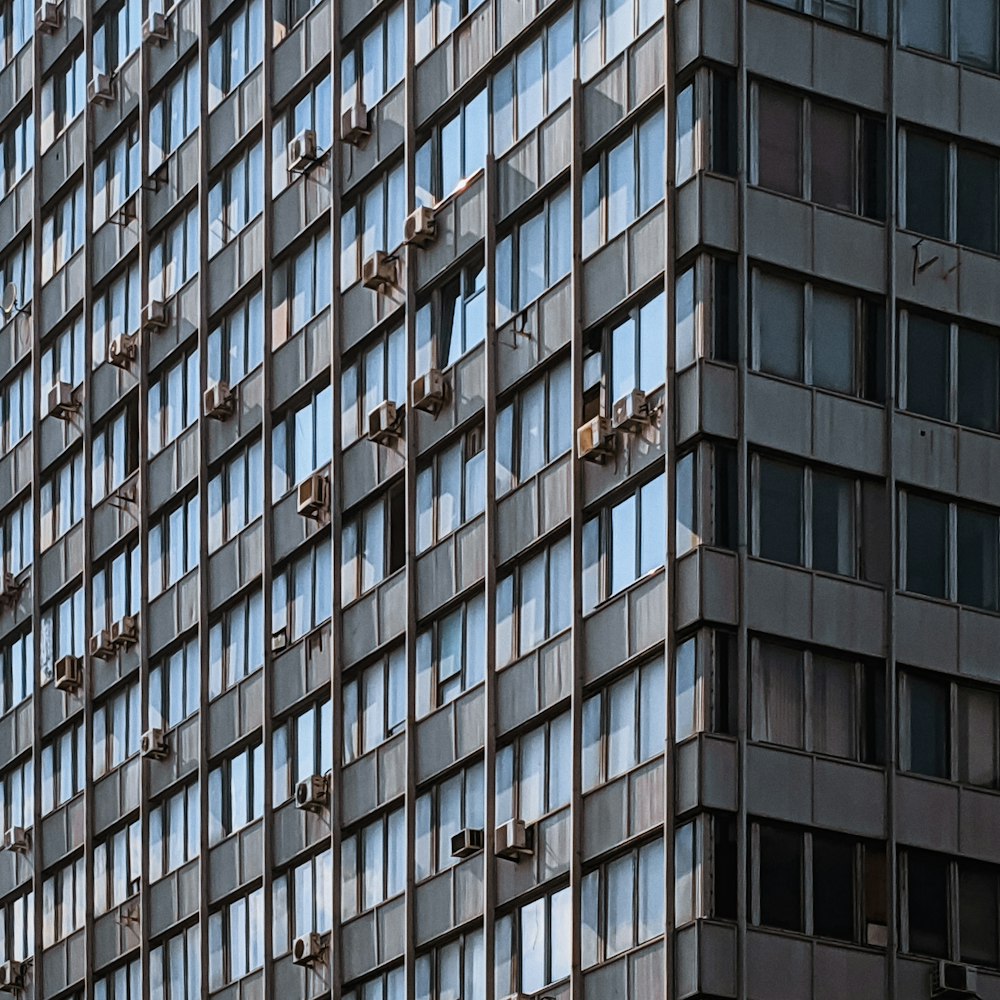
(500,499)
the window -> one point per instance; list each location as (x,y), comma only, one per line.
(452,805)
(625,182)
(125,983)
(15,537)
(117,867)
(451,489)
(62,632)
(624,724)
(456,968)
(378,374)
(236,198)
(175,115)
(235,793)
(236,643)
(303,746)
(174,686)
(533,601)
(926,913)
(235,495)
(64,94)
(62,231)
(62,497)
(303,901)
(64,358)
(829,155)
(534,773)
(62,767)
(64,902)
(235,50)
(375,222)
(622,904)
(373,65)
(533,429)
(450,655)
(623,543)
(313,110)
(374,701)
(389,985)
(173,545)
(817,702)
(373,544)
(17,267)
(534,256)
(866,15)
(17,150)
(17,678)
(302,441)
(707,510)
(302,286)
(456,149)
(956,29)
(533,944)
(978,909)
(15,408)
(17,927)
(175,965)
(706,691)
(437,19)
(806,517)
(117,34)
(705,863)
(116,311)
(303,597)
(173,400)
(635,352)
(236,344)
(823,337)
(608,26)
(236,939)
(117,729)
(173,257)
(117,176)
(17,25)
(17,795)
(117,586)
(706,126)
(373,862)
(453,321)
(114,451)
(173,831)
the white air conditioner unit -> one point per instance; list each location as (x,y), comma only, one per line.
(630,412)
(101,646)
(354,126)
(100,89)
(66,673)
(420,229)
(312,793)
(313,498)
(219,401)
(155,315)
(595,440)
(11,975)
(15,838)
(383,423)
(48,17)
(60,402)
(953,981)
(307,949)
(121,351)
(512,840)
(302,151)
(125,631)
(466,843)
(154,744)
(429,392)
(378,271)
(156,29)
(279,640)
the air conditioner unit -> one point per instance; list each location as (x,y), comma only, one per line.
(155,315)
(125,631)
(100,89)
(420,229)
(630,412)
(307,949)
(220,401)
(60,402)
(15,838)
(312,793)
(595,440)
(11,974)
(354,127)
(279,640)
(101,646)
(466,843)
(512,840)
(953,981)
(66,673)
(121,351)
(9,587)
(429,392)
(48,17)
(302,151)
(154,744)
(378,271)
(156,29)
(313,499)
(383,423)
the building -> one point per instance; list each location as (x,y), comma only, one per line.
(596,596)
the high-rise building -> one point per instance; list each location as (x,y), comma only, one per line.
(500,499)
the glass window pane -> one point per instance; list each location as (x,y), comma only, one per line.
(977,200)
(779,512)
(832,338)
(927,186)
(778,696)
(779,141)
(979,380)
(833,157)
(778,320)
(926,546)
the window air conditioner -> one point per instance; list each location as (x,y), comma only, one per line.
(302,151)
(953,981)
(429,392)
(100,89)
(61,403)
(156,29)
(155,315)
(313,499)
(307,950)
(512,840)
(630,412)
(11,974)
(48,17)
(66,673)
(125,631)
(154,744)
(420,227)
(15,838)
(595,440)
(219,401)
(101,646)
(383,423)
(378,271)
(466,843)
(279,640)
(9,587)
(312,793)
(121,351)
(354,125)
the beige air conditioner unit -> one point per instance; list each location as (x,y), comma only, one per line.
(313,497)
(121,351)
(66,674)
(312,793)
(595,440)
(354,126)
(154,744)
(630,412)
(429,392)
(512,840)
(420,229)
(383,423)
(100,89)
(220,401)
(101,646)
(155,316)
(156,29)
(302,151)
(378,271)
(307,950)
(48,16)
